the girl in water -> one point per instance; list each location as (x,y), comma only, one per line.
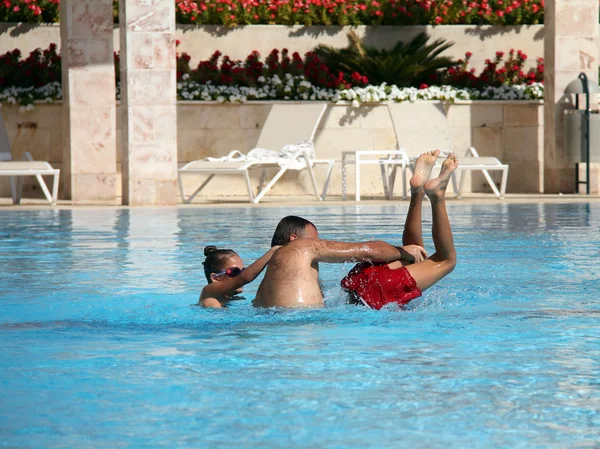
(226,275)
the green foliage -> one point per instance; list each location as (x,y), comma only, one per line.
(405,64)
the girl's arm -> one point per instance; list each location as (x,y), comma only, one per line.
(210,293)
(211,303)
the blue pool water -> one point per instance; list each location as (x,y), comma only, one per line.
(101,348)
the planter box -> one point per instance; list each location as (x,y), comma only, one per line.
(202,40)
(511,131)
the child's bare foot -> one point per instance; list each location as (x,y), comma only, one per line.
(436,188)
(422,170)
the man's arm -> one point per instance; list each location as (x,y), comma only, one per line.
(337,252)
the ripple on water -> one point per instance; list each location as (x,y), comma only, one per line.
(103,347)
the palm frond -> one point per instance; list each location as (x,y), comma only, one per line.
(405,64)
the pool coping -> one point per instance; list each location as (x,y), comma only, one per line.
(298,201)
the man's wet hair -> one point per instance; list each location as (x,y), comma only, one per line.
(288,226)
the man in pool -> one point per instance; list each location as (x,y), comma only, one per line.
(292,277)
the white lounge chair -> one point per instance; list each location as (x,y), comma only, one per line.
(17,169)
(286,124)
(431,135)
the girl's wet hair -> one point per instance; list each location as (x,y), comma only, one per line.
(215,259)
(287,226)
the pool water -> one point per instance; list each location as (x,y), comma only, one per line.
(100,346)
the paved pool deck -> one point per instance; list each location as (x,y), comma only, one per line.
(299,201)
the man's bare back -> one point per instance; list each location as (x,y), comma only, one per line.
(292,277)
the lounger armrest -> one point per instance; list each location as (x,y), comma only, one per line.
(323,161)
(471,152)
(301,153)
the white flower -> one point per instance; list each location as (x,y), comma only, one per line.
(295,88)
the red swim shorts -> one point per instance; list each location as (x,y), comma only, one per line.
(376,285)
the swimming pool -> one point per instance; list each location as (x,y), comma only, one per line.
(101,348)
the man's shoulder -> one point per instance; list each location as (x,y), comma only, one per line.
(303,243)
(298,248)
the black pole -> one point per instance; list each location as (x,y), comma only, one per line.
(584,82)
(577,163)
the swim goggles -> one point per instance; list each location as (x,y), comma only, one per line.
(231,272)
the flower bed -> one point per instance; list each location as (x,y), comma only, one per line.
(317,12)
(298,88)
(285,77)
(29,11)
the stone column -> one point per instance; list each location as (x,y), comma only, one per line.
(570,47)
(89,121)
(148,101)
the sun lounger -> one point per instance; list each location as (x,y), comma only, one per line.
(434,135)
(285,143)
(28,167)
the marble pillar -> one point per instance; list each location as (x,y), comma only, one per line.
(570,47)
(89,121)
(148,100)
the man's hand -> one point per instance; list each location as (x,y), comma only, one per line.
(412,253)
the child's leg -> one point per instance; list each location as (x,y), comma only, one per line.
(413,234)
(443,261)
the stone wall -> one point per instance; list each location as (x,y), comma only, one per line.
(511,131)
(201,41)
